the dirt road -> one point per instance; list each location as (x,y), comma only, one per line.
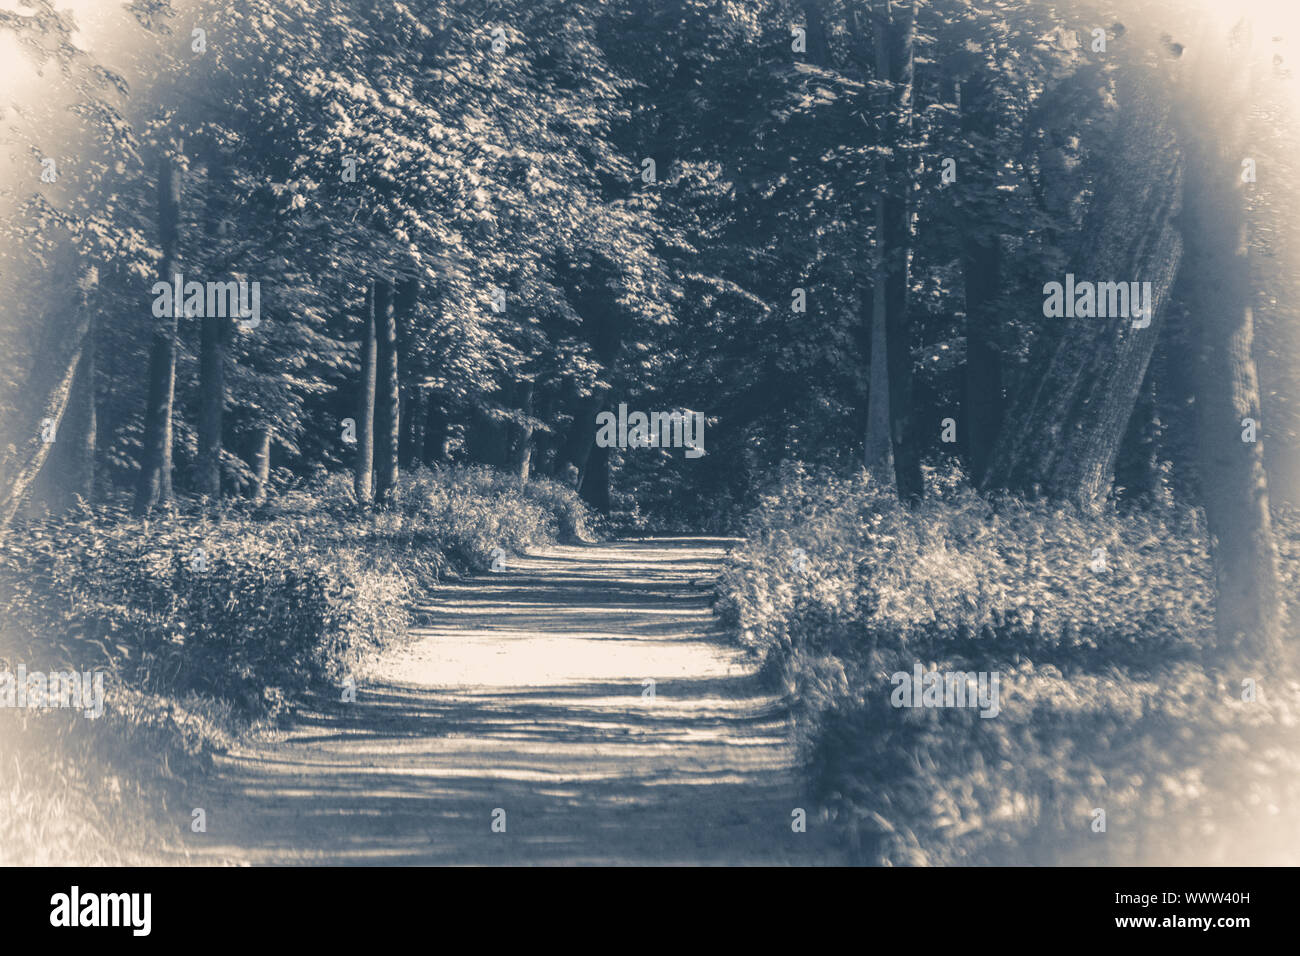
(526,692)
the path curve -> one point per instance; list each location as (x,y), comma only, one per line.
(524,691)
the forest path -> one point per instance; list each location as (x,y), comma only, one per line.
(524,691)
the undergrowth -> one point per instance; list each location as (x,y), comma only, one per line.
(206,622)
(1100,626)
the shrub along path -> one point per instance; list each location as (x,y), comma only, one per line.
(524,691)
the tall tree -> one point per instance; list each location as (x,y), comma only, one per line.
(69,472)
(1234,485)
(364,466)
(388,391)
(896,38)
(982,275)
(51,403)
(55,246)
(878,449)
(155,482)
(1064,430)
(262,438)
(214,340)
(521,433)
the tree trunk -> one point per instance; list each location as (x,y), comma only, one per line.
(1137,466)
(877,448)
(261,463)
(982,264)
(1063,433)
(605,335)
(414,410)
(878,451)
(521,439)
(594,482)
(1234,485)
(982,273)
(544,458)
(61,353)
(387,411)
(71,464)
(214,340)
(405,299)
(155,482)
(896,35)
(212,403)
(582,435)
(364,470)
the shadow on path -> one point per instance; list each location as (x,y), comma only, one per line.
(526,692)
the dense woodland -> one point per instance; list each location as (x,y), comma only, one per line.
(826,225)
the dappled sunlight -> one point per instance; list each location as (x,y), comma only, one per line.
(543,717)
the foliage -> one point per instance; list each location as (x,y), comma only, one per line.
(1111,696)
(282,600)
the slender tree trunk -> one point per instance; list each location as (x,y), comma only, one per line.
(982,264)
(387,411)
(1234,486)
(878,449)
(878,454)
(414,421)
(364,473)
(982,273)
(871,47)
(545,448)
(261,462)
(1063,432)
(155,483)
(72,460)
(521,440)
(213,343)
(212,402)
(815,20)
(61,352)
(405,299)
(896,35)
(406,441)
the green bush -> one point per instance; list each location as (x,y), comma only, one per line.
(248,611)
(1108,697)
(253,607)
(206,620)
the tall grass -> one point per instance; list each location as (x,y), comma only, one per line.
(1111,697)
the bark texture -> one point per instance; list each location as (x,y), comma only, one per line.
(1061,436)
(214,341)
(364,472)
(155,482)
(895,45)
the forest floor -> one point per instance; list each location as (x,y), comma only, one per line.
(524,691)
